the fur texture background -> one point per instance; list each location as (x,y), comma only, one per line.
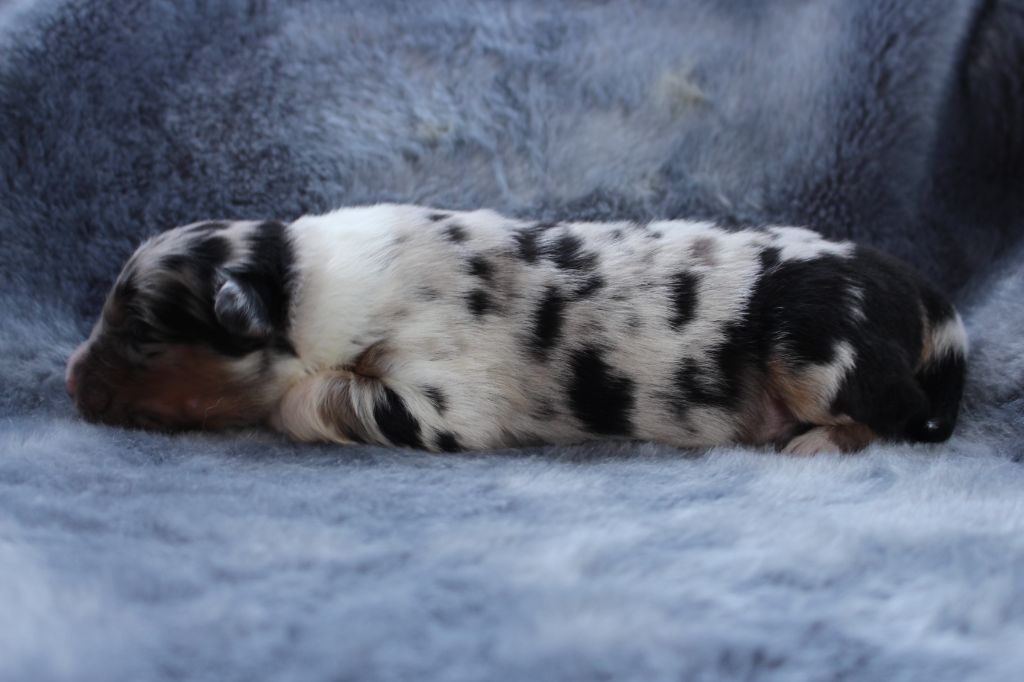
(133,556)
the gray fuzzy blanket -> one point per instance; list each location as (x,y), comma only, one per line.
(128,556)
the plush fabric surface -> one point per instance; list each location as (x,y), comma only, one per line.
(128,556)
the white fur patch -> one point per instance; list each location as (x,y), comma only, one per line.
(949,337)
(797,243)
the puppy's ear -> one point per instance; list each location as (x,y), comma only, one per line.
(239,308)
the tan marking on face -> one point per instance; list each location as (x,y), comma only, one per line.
(188,387)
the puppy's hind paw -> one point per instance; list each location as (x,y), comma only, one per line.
(817,440)
(837,438)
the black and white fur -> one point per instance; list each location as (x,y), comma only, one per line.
(410,326)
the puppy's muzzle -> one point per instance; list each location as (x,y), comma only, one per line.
(92,397)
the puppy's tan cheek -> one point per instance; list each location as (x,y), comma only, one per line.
(196,388)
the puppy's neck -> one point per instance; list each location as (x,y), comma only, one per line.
(342,276)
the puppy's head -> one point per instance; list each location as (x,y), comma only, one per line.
(192,331)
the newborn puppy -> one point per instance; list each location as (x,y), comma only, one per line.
(409,326)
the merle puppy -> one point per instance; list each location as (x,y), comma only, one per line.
(409,326)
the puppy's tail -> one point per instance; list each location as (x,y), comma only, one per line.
(940,374)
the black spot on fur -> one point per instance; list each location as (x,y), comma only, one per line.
(590,286)
(437,217)
(269,269)
(479,302)
(209,251)
(683,287)
(567,253)
(718,383)
(455,233)
(447,442)
(548,319)
(691,385)
(437,398)
(769,258)
(527,245)
(395,421)
(600,399)
(201,257)
(892,292)
(803,306)
(482,268)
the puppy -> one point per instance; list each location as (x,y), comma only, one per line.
(414,327)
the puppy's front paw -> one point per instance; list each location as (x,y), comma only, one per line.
(317,408)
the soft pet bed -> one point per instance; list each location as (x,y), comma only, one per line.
(128,556)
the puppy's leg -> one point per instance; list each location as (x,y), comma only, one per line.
(343,407)
(850,401)
(319,408)
(882,392)
(808,391)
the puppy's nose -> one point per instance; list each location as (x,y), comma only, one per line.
(71,371)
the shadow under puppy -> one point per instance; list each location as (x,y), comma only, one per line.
(409,326)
